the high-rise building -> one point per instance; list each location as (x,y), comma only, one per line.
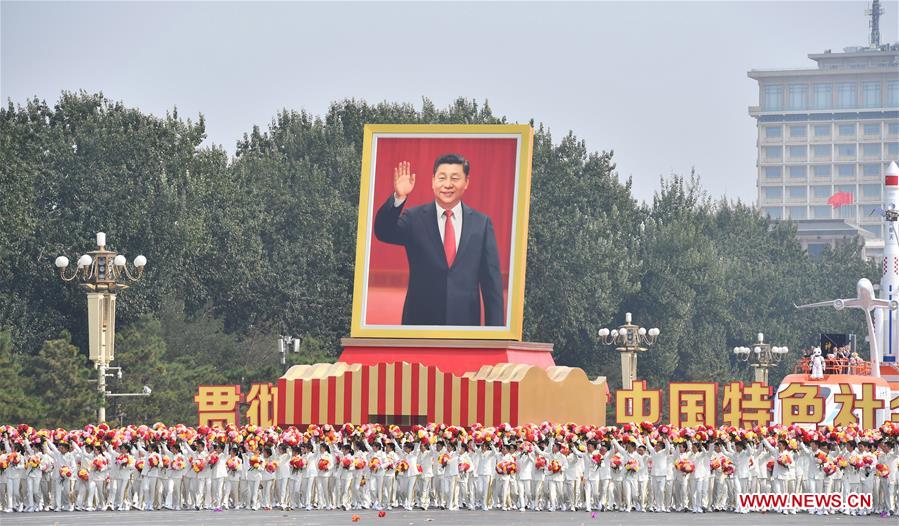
(828,130)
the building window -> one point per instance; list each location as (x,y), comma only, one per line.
(821,212)
(822,170)
(871,94)
(823,96)
(871,170)
(870,190)
(893,94)
(798,131)
(773,153)
(877,230)
(797,172)
(798,192)
(846,151)
(816,250)
(798,94)
(846,212)
(773,192)
(846,170)
(773,100)
(773,132)
(773,172)
(822,130)
(821,191)
(871,130)
(774,212)
(847,188)
(798,153)
(893,128)
(821,152)
(871,150)
(892,150)
(797,212)
(846,96)
(846,130)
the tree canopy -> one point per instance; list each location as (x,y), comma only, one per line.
(247,247)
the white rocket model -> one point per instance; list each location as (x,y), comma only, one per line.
(887,321)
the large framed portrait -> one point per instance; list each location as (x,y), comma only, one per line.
(443,229)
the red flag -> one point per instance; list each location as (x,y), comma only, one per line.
(839,199)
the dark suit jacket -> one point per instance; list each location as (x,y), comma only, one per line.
(437,294)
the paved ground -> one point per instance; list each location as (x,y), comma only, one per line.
(425,518)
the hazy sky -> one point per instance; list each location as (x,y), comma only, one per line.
(664,85)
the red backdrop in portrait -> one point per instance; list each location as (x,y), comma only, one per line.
(491,191)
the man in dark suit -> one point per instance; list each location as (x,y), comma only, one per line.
(451,249)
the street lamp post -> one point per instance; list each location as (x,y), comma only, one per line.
(286,343)
(763,356)
(102,273)
(629,340)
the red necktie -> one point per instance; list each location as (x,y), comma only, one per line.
(449,238)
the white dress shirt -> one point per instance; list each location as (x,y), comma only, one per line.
(441,219)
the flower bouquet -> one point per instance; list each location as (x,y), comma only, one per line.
(616,462)
(540,463)
(178,463)
(154,460)
(139,464)
(232,464)
(715,463)
(359,463)
(464,467)
(374,464)
(841,462)
(632,466)
(271,466)
(500,468)
(596,457)
(829,468)
(346,462)
(686,466)
(770,467)
(213,459)
(99,464)
(197,464)
(33,462)
(784,460)
(166,462)
(255,462)
(65,472)
(511,467)
(83,475)
(443,459)
(297,463)
(402,466)
(554,466)
(821,458)
(882,470)
(324,464)
(727,467)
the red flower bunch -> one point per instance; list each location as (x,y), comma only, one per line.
(346,462)
(153,460)
(686,466)
(374,464)
(232,464)
(882,470)
(616,461)
(715,463)
(464,467)
(197,464)
(443,459)
(178,463)
(271,466)
(540,463)
(65,472)
(821,457)
(139,464)
(554,467)
(829,468)
(255,462)
(83,475)
(632,465)
(402,466)
(99,463)
(727,466)
(359,463)
(297,463)
(213,459)
(596,458)
(770,466)
(784,460)
(324,464)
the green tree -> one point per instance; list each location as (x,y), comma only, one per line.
(16,403)
(62,382)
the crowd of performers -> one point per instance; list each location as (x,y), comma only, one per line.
(546,467)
